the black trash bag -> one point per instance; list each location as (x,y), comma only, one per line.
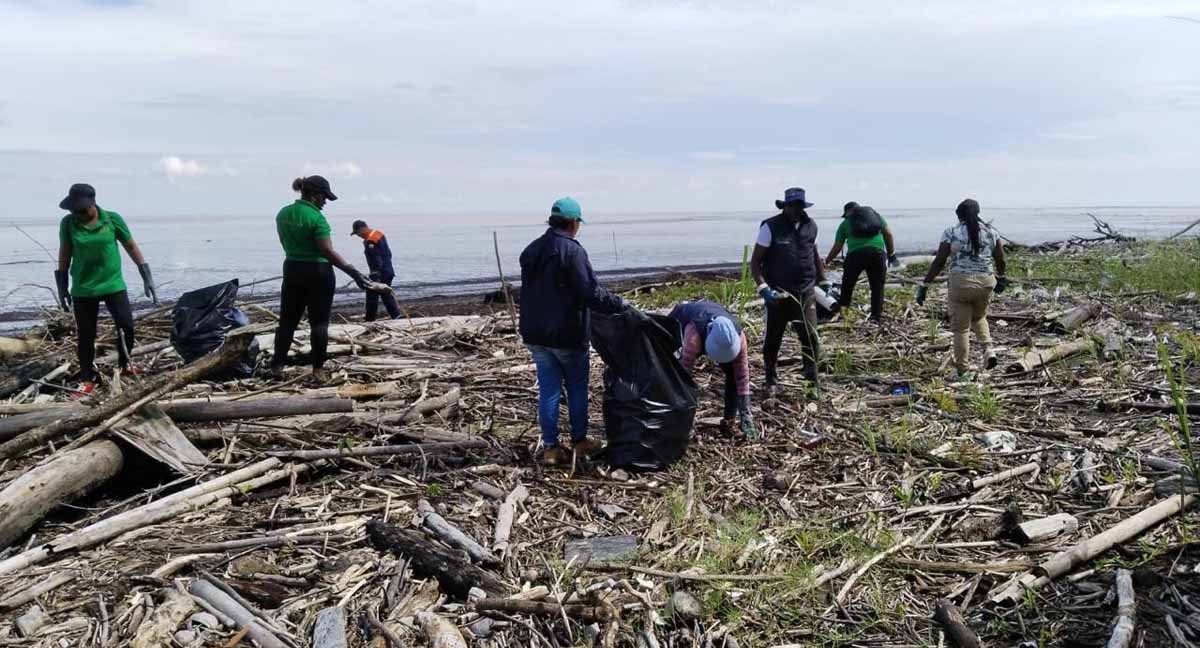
(200,320)
(649,399)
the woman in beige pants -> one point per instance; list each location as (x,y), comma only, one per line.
(976,267)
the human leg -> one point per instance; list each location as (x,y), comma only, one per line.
(86,311)
(876,268)
(320,306)
(982,298)
(292,302)
(575,366)
(389,299)
(961,310)
(805,326)
(122,313)
(372,306)
(550,381)
(850,272)
(776,317)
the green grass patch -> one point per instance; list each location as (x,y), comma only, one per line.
(984,404)
(1170,268)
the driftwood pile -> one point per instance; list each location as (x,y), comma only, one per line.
(403,505)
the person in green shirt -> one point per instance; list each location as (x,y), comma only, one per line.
(89,272)
(870,248)
(308,282)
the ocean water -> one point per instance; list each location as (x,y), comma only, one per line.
(437,253)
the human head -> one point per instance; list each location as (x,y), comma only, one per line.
(967,209)
(566,215)
(314,189)
(80,201)
(849,208)
(359,228)
(794,203)
(723,342)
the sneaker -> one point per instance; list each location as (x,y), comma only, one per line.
(554,456)
(320,376)
(277,374)
(586,447)
(84,389)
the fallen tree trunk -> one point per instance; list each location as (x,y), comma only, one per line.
(1064,561)
(505,517)
(235,344)
(1039,358)
(428,560)
(1074,318)
(423,408)
(28,498)
(452,535)
(378,451)
(250,409)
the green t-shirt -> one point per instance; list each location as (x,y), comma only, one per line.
(300,226)
(857,243)
(95,259)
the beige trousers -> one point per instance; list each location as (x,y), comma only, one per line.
(969,296)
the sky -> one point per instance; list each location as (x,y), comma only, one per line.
(200,107)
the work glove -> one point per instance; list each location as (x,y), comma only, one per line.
(770,295)
(922,293)
(1001,285)
(359,279)
(825,286)
(148,282)
(893,261)
(746,419)
(64,296)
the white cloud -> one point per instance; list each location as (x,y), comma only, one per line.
(346,170)
(176,167)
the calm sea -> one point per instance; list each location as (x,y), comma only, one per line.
(436,253)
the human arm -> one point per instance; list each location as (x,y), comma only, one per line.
(135,254)
(582,281)
(889,243)
(756,264)
(819,265)
(935,269)
(1001,266)
(325,247)
(834,251)
(60,274)
(692,346)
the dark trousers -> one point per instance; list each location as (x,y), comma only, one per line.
(389,300)
(307,286)
(87,312)
(803,318)
(731,395)
(872,261)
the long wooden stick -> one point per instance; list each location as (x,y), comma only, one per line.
(1122,636)
(512,312)
(377,451)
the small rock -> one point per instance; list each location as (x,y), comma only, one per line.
(187,638)
(619,475)
(476,594)
(684,607)
(998,441)
(481,628)
(29,623)
(204,620)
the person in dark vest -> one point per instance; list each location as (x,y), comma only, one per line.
(786,266)
(710,330)
(379,267)
(870,249)
(558,289)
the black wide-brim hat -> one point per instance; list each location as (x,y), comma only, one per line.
(79,196)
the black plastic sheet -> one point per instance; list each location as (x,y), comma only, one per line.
(200,320)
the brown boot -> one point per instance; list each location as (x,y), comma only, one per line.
(587,447)
(555,456)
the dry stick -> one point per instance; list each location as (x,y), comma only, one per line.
(841,595)
(977,484)
(585,613)
(392,638)
(244,618)
(512,312)
(452,535)
(440,632)
(700,578)
(14,600)
(376,451)
(505,516)
(1122,636)
(1087,549)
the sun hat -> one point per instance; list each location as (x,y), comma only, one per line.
(79,196)
(794,194)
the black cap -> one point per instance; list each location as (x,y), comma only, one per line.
(849,207)
(355,227)
(80,196)
(318,184)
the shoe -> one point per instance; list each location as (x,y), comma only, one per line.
(277,374)
(728,427)
(957,376)
(133,370)
(554,456)
(586,447)
(772,390)
(320,376)
(991,360)
(84,389)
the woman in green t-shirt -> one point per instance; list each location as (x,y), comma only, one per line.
(870,249)
(87,250)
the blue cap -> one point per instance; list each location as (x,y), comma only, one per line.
(568,208)
(723,342)
(792,195)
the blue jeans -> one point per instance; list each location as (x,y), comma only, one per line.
(554,368)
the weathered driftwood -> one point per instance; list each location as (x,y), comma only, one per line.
(240,481)
(585,613)
(505,516)
(157,629)
(1076,317)
(439,632)
(28,498)
(15,599)
(1122,635)
(455,575)
(1006,567)
(381,451)
(487,489)
(151,431)
(329,630)
(423,408)
(1064,561)
(452,535)
(954,626)
(12,347)
(1039,358)
(996,478)
(242,618)
(255,408)
(1047,527)
(233,347)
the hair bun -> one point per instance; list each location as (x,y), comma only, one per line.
(297,184)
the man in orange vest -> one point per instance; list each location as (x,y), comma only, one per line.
(379,261)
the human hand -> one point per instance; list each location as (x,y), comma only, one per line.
(922,293)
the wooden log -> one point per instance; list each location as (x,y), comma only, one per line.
(428,560)
(1047,527)
(452,535)
(234,483)
(505,516)
(28,498)
(996,478)
(158,628)
(585,613)
(1064,561)
(1122,635)
(380,451)
(12,347)
(14,599)
(1074,318)
(242,618)
(230,350)
(329,630)
(423,408)
(1039,358)
(255,408)
(1006,567)
(487,489)
(954,626)
(439,632)
(14,425)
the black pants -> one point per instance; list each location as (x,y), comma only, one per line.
(307,286)
(873,261)
(389,300)
(803,318)
(87,312)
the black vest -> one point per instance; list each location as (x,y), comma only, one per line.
(790,263)
(700,314)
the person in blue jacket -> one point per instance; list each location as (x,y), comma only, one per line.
(379,264)
(558,289)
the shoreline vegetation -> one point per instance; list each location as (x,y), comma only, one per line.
(1049,501)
